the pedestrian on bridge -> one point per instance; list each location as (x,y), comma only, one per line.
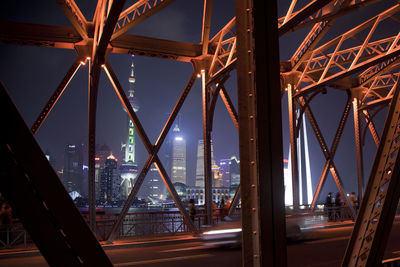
(328,206)
(192,209)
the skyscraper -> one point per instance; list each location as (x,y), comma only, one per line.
(234,169)
(224,172)
(153,185)
(200,162)
(110,181)
(178,168)
(129,167)
(73,166)
(100,160)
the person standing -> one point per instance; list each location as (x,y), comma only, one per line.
(192,209)
(328,206)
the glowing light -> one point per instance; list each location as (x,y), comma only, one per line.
(198,75)
(178,138)
(96,159)
(88,58)
(102,65)
(71,146)
(83,63)
(225,231)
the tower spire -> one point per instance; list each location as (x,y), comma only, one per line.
(132,78)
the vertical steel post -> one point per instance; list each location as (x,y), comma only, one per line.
(293,146)
(92,98)
(357,134)
(260,134)
(207,148)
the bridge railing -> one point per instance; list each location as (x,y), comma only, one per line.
(13,235)
(150,224)
(160,223)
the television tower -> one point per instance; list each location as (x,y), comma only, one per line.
(129,167)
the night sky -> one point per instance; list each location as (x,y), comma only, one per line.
(31,74)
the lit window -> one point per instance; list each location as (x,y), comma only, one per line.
(130,131)
(130,139)
(130,123)
(130,148)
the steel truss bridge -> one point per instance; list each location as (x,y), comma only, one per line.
(368,72)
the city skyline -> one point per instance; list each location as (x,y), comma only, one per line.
(159,83)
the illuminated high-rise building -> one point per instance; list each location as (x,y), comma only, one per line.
(224,172)
(110,181)
(73,168)
(200,162)
(178,160)
(129,167)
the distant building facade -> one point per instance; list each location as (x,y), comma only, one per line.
(72,177)
(110,181)
(178,159)
(197,193)
(200,162)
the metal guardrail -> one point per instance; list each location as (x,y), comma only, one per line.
(150,224)
(160,223)
(13,235)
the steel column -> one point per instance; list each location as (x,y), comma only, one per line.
(293,147)
(260,134)
(99,53)
(207,148)
(359,150)
(374,222)
(94,76)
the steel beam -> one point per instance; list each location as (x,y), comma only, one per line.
(56,95)
(75,16)
(38,35)
(260,134)
(293,147)
(154,47)
(301,15)
(358,144)
(207,147)
(205,34)
(152,150)
(381,198)
(331,14)
(372,128)
(327,154)
(39,198)
(229,106)
(335,144)
(136,13)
